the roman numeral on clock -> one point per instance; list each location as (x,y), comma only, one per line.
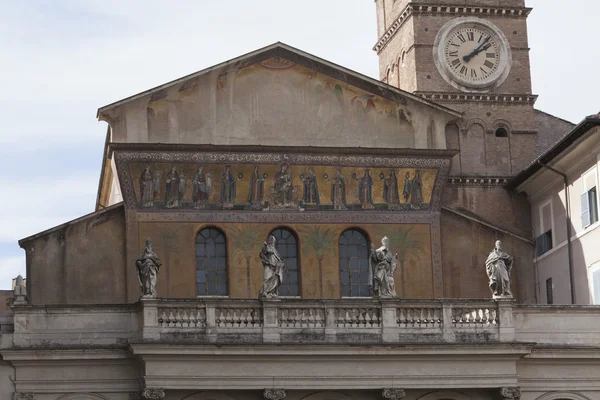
(463,70)
(462,38)
(455,63)
(471,36)
(488,64)
(490,55)
(454,54)
(473,73)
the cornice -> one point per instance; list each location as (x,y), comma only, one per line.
(478,181)
(449,10)
(459,97)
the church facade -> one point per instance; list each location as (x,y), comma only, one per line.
(278,226)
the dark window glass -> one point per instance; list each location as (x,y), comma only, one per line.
(287,246)
(549,294)
(211,263)
(354,264)
(543,243)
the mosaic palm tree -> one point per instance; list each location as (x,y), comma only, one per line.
(408,244)
(247,242)
(319,241)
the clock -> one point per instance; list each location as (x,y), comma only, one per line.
(472,54)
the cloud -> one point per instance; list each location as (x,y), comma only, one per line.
(10,267)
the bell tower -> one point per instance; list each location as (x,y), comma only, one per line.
(472,56)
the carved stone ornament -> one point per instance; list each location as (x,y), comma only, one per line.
(510,393)
(393,394)
(274,394)
(20,294)
(153,394)
(24,396)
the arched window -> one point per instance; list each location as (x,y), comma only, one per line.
(211,263)
(354,264)
(287,246)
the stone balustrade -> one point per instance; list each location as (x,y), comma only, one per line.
(327,321)
(345,321)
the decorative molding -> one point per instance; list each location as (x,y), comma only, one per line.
(457,97)
(524,132)
(447,10)
(274,394)
(510,393)
(153,394)
(393,394)
(23,396)
(478,181)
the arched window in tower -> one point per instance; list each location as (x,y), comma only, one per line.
(354,264)
(287,246)
(211,263)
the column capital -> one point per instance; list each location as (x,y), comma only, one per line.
(510,393)
(23,396)
(392,394)
(153,394)
(274,394)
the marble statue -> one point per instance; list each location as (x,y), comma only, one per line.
(383,267)
(172,189)
(498,266)
(20,293)
(273,269)
(147,189)
(148,265)
(338,191)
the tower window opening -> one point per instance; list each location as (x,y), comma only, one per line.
(501,132)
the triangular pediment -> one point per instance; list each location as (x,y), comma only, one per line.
(278,96)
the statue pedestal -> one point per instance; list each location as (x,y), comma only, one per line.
(270,320)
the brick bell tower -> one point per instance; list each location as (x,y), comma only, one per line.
(472,56)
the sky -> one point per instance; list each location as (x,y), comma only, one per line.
(61,60)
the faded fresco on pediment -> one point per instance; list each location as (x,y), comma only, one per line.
(267,187)
(277,99)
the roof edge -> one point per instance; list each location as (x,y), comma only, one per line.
(28,239)
(561,145)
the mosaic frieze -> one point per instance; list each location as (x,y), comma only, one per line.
(281,187)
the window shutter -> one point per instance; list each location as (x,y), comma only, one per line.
(593,205)
(585,210)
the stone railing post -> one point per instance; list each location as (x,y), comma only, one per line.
(270,320)
(389,324)
(506,332)
(211,322)
(447,323)
(150,328)
(330,328)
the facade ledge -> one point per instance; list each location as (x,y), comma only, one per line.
(459,97)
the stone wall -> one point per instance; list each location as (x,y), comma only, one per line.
(80,262)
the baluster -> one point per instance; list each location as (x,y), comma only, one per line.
(319,318)
(163,317)
(171,319)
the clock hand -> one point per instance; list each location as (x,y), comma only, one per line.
(478,50)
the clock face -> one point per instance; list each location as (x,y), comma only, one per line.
(472,54)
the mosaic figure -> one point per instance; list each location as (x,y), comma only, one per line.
(407,187)
(147,190)
(172,189)
(182,185)
(365,192)
(201,190)
(228,183)
(416,191)
(338,191)
(273,269)
(390,191)
(284,190)
(383,267)
(311,189)
(256,192)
